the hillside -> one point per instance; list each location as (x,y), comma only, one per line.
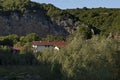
(106,20)
(33,19)
(26,17)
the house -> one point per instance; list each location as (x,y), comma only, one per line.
(42,45)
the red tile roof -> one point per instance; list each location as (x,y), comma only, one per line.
(60,43)
(50,43)
(41,43)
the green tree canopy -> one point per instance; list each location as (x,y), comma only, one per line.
(84,31)
(52,38)
(11,5)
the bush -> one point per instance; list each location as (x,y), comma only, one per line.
(91,59)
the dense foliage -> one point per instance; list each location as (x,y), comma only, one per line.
(58,14)
(86,57)
(107,20)
(15,5)
(13,39)
(94,59)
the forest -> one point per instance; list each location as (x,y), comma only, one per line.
(92,51)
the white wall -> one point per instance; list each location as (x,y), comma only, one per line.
(39,48)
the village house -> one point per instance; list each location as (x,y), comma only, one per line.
(42,45)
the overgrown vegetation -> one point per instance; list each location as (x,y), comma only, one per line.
(13,39)
(96,58)
(107,20)
(56,13)
(14,5)
(87,56)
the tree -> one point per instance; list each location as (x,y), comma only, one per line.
(85,32)
(85,8)
(14,38)
(5,41)
(31,37)
(52,38)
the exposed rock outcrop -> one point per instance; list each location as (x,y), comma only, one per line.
(29,22)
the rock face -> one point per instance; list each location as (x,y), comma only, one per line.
(69,24)
(29,22)
(36,19)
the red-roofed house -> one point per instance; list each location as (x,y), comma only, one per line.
(42,45)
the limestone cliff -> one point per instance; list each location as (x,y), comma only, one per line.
(29,22)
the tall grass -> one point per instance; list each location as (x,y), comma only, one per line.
(93,59)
